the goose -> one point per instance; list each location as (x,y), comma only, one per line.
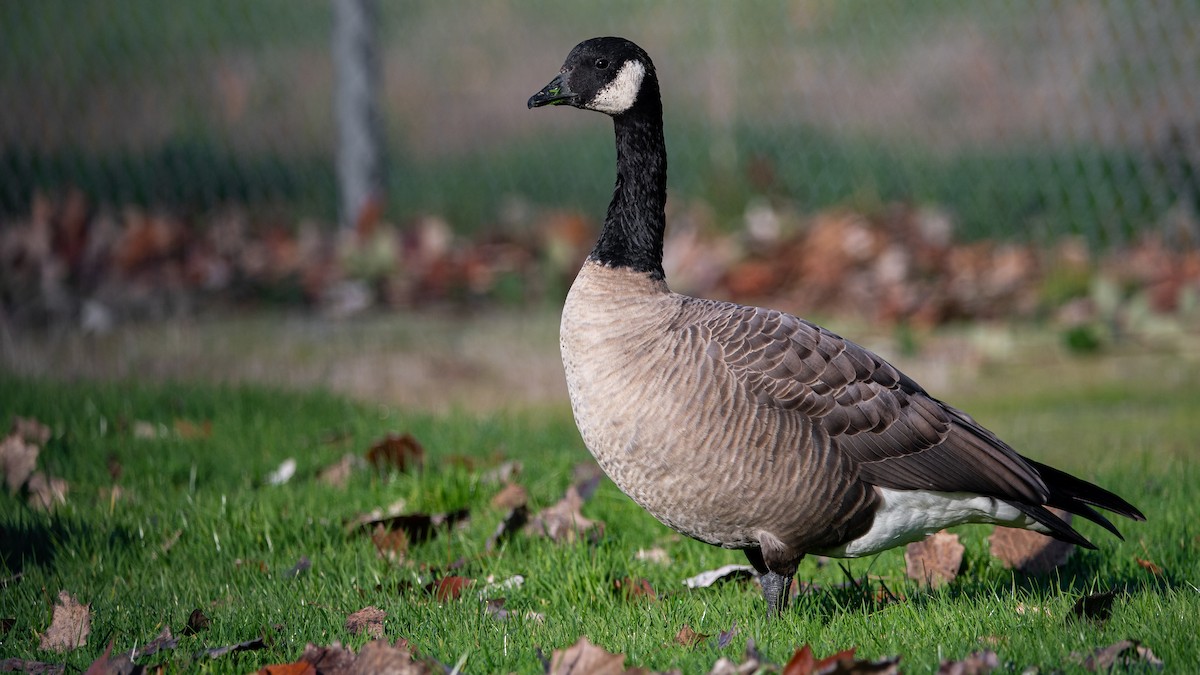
(750,428)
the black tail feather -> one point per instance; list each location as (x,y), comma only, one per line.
(1059,529)
(1070,491)
(1076,496)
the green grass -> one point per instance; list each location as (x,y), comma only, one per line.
(237,537)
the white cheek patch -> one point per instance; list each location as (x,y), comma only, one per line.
(620,94)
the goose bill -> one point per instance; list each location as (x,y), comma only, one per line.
(553,94)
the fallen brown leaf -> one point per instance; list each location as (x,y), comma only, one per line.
(804,662)
(196,622)
(449,588)
(189,430)
(510,496)
(70,625)
(513,521)
(564,521)
(107,664)
(393,534)
(46,492)
(688,637)
(1030,552)
(1150,566)
(338,474)
(634,589)
(331,660)
(392,545)
(935,560)
(585,658)
(1126,654)
(297,668)
(1095,607)
(367,620)
(33,667)
(725,637)
(978,663)
(380,657)
(30,429)
(247,646)
(162,642)
(18,460)
(396,451)
(724,573)
(495,608)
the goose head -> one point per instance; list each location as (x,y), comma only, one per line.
(607,74)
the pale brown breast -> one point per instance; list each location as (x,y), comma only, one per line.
(679,433)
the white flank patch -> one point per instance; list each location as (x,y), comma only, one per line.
(622,92)
(910,515)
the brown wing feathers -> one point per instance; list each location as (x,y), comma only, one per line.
(899,436)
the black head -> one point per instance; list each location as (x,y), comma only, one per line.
(608,74)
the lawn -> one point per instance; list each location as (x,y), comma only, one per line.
(197,525)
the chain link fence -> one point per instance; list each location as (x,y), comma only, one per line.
(1021,118)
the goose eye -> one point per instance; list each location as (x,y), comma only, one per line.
(602,64)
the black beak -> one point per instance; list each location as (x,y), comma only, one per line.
(554,93)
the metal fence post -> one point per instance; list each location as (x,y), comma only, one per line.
(356,109)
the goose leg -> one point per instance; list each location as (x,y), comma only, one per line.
(776,587)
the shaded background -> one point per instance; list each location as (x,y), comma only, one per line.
(169,200)
(1022,118)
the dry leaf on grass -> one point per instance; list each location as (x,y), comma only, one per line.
(725,637)
(297,668)
(69,625)
(30,429)
(935,560)
(338,474)
(804,662)
(512,522)
(393,534)
(196,622)
(33,667)
(367,620)
(46,492)
(1126,654)
(1095,607)
(380,657)
(564,521)
(722,574)
(1030,552)
(162,642)
(18,460)
(978,663)
(449,588)
(1150,566)
(510,497)
(634,589)
(399,452)
(107,664)
(189,430)
(332,660)
(247,646)
(688,637)
(302,565)
(585,658)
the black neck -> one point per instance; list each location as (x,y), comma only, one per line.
(633,230)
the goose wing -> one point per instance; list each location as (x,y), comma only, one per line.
(898,435)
